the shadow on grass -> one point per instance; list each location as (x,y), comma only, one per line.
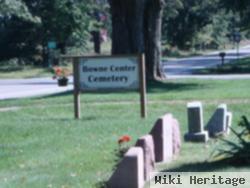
(152,87)
(157,86)
(62,94)
(119,153)
(204,166)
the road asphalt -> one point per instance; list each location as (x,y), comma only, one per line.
(186,66)
(174,69)
(20,88)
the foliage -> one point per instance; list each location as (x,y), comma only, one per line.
(215,34)
(18,8)
(28,25)
(197,24)
(237,153)
(240,7)
(17,22)
(191,18)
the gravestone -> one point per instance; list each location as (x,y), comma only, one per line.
(217,124)
(147,144)
(229,118)
(196,131)
(162,136)
(129,172)
(176,137)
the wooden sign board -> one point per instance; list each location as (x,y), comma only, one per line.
(109,73)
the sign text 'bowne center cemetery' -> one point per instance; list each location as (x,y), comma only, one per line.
(109,73)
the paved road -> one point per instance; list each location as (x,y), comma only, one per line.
(20,88)
(181,68)
(186,66)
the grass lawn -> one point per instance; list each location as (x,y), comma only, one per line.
(11,71)
(41,145)
(237,67)
(17,71)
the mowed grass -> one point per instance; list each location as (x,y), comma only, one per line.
(242,66)
(41,145)
(11,71)
(18,71)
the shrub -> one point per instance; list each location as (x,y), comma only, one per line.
(237,153)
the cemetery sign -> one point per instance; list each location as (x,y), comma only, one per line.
(109,73)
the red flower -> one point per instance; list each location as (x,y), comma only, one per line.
(124,138)
(58,71)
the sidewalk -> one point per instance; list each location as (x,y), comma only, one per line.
(21,88)
(210,77)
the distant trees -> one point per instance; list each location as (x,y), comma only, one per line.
(28,25)
(241,7)
(198,24)
(138,26)
(191,17)
(16,24)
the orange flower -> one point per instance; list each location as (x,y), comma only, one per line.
(123,139)
(58,71)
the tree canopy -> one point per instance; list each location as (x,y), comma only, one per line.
(28,25)
(134,26)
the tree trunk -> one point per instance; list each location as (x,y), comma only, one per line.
(45,57)
(127,26)
(97,41)
(153,22)
(136,28)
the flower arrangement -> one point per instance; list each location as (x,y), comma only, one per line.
(124,139)
(61,74)
(123,144)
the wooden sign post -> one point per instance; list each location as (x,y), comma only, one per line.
(76,88)
(143,87)
(109,73)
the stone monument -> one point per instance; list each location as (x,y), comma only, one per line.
(196,131)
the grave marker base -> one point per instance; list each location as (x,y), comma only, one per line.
(197,137)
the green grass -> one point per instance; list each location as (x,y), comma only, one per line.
(18,71)
(237,67)
(41,145)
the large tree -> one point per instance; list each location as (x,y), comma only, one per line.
(27,26)
(16,23)
(192,16)
(136,28)
(241,7)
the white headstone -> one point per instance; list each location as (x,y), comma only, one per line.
(217,124)
(196,131)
